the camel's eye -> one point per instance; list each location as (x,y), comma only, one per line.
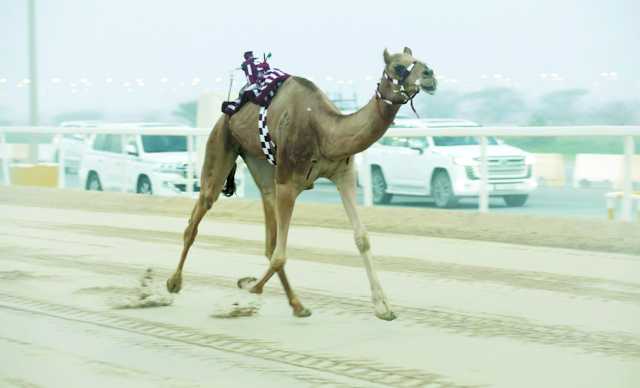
(401,71)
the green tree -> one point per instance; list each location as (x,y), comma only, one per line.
(82,115)
(559,108)
(4,120)
(492,106)
(440,105)
(617,113)
(187,111)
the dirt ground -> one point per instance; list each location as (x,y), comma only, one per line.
(482,300)
(597,235)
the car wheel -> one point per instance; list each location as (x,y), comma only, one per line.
(442,190)
(93,182)
(144,186)
(379,187)
(515,200)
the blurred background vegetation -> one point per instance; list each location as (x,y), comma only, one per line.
(187,112)
(506,106)
(491,106)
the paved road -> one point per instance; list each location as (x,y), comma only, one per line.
(545,201)
(563,202)
(470,313)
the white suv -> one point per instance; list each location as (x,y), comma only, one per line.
(446,168)
(149,164)
(72,145)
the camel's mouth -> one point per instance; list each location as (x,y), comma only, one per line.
(429,85)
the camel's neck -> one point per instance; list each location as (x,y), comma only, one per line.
(356,132)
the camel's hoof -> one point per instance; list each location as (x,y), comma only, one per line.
(174,283)
(255,290)
(246,283)
(387,316)
(302,312)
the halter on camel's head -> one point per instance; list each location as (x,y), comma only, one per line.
(403,78)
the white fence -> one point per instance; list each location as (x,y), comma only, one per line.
(627,132)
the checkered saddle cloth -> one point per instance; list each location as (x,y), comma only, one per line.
(260,93)
(266,142)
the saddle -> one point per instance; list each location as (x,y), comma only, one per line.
(262,85)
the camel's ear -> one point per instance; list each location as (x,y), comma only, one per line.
(407,51)
(387,56)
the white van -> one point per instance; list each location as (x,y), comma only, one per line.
(148,164)
(72,145)
(446,168)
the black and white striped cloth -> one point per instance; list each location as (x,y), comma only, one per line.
(269,85)
(260,93)
(266,142)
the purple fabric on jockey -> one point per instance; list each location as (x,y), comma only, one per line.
(252,68)
(261,94)
(272,80)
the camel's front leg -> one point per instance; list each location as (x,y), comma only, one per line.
(346,183)
(286,195)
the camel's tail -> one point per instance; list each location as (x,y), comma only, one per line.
(230,185)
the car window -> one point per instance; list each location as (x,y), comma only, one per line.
(132,144)
(162,143)
(73,136)
(449,141)
(100,143)
(418,142)
(399,142)
(114,143)
(385,141)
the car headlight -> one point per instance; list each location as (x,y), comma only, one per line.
(529,159)
(171,168)
(465,161)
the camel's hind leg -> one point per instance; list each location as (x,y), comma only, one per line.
(220,157)
(263,175)
(286,195)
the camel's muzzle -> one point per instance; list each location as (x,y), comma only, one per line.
(429,85)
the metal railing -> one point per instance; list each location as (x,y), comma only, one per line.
(627,132)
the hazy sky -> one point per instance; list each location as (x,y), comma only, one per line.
(83,44)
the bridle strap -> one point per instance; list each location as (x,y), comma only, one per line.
(413,108)
(399,91)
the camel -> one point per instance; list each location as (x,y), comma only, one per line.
(314,139)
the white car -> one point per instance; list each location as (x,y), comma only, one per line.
(446,168)
(72,145)
(148,164)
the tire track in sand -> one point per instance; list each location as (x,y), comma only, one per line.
(581,286)
(616,344)
(357,369)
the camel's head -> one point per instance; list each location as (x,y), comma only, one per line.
(405,76)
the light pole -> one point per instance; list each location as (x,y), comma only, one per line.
(33,77)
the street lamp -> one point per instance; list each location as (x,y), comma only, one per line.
(33,79)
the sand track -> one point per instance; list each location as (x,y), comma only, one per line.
(481,325)
(471,312)
(365,370)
